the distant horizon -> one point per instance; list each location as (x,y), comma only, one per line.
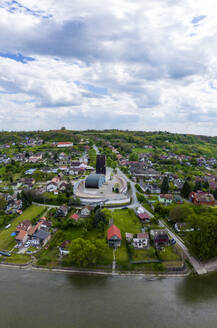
(133,65)
(112,129)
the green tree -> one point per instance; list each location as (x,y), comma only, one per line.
(186,189)
(165,186)
(3,203)
(134,157)
(83,252)
(99,220)
(215,193)
(180,213)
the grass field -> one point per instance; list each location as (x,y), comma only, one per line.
(144,254)
(6,240)
(169,254)
(18,259)
(126,221)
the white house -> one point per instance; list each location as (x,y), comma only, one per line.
(64,144)
(51,187)
(142,241)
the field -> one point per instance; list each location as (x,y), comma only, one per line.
(144,254)
(6,240)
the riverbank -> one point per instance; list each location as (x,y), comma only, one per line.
(30,267)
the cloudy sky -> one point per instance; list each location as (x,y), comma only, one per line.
(128,64)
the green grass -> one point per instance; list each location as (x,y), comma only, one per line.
(126,221)
(144,254)
(18,259)
(6,240)
(169,254)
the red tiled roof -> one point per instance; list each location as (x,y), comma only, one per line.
(75,216)
(144,216)
(167,196)
(113,231)
(21,235)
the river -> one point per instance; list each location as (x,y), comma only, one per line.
(45,300)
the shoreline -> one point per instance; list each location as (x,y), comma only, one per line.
(28,267)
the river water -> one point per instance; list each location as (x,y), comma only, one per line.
(44,300)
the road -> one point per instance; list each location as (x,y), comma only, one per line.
(135,203)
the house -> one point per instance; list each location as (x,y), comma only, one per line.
(35,158)
(63,247)
(85,211)
(62,186)
(178,199)
(34,228)
(114,236)
(64,144)
(29,182)
(141,241)
(182,227)
(24,225)
(56,179)
(129,237)
(62,211)
(144,217)
(202,198)
(166,199)
(75,216)
(51,186)
(22,236)
(45,225)
(42,236)
(160,237)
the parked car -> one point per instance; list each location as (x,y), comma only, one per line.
(8,226)
(172,241)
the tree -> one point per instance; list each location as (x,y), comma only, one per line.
(197,186)
(180,213)
(165,186)
(186,189)
(134,157)
(3,203)
(99,220)
(215,193)
(203,240)
(83,252)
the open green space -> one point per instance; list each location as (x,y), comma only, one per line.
(169,253)
(18,259)
(144,254)
(6,240)
(126,221)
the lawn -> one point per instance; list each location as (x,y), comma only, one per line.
(6,240)
(126,221)
(18,259)
(144,254)
(169,254)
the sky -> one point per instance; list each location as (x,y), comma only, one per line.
(136,65)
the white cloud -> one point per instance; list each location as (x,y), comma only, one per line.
(137,65)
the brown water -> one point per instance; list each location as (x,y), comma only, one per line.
(45,300)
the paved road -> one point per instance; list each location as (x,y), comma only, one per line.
(135,203)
